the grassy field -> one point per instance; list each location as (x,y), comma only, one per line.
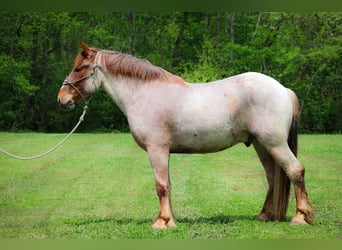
(101,186)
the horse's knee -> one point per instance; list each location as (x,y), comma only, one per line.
(162,189)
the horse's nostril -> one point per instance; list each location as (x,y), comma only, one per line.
(67,105)
(70,105)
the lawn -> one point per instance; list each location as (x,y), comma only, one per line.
(101,186)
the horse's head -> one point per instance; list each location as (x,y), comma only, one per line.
(80,83)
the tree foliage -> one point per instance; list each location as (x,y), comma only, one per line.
(302,51)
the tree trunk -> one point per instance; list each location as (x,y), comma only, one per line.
(257,25)
(230,32)
(130,18)
(176,51)
(232,20)
(207,21)
(218,29)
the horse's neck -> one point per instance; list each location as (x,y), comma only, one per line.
(122,90)
(127,92)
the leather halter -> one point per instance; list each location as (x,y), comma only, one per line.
(71,83)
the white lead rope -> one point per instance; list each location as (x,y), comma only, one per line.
(53,148)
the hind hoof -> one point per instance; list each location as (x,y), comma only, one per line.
(264,217)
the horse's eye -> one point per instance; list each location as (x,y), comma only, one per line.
(80,68)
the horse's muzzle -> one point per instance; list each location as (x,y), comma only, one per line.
(68,105)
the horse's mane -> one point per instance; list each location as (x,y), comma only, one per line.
(120,64)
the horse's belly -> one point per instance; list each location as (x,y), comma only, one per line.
(201,128)
(203,141)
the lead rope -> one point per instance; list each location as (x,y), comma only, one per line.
(92,74)
(56,146)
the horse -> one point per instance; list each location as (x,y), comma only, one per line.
(168,115)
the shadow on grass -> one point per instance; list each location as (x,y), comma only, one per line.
(217,219)
(210,220)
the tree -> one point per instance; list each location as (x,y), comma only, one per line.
(302,51)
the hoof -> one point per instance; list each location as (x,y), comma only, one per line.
(160,223)
(309,217)
(303,217)
(299,219)
(264,217)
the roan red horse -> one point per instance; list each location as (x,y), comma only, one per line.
(168,115)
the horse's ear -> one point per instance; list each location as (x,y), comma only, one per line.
(85,48)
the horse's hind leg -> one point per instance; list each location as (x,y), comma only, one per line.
(159,158)
(284,158)
(266,213)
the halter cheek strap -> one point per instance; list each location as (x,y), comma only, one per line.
(92,73)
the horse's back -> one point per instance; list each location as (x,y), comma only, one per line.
(249,92)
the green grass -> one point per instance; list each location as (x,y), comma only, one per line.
(101,186)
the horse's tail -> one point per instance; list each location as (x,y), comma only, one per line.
(293,134)
(282,183)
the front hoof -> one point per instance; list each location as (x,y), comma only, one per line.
(299,219)
(303,217)
(171,223)
(160,223)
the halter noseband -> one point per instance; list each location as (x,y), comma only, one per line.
(71,83)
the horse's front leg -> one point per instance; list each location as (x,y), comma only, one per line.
(159,158)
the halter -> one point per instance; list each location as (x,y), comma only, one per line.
(71,83)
